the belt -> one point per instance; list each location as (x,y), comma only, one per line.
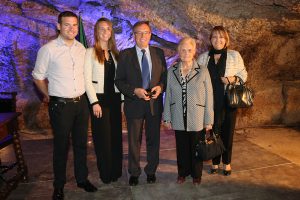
(66,100)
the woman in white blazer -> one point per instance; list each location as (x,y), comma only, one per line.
(225,66)
(188,108)
(105,101)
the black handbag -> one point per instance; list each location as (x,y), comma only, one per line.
(239,95)
(210,148)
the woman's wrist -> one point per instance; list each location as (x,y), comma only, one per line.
(96,102)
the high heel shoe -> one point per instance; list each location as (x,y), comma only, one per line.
(227,172)
(214,169)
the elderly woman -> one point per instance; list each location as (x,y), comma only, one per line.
(188,108)
(225,66)
(105,101)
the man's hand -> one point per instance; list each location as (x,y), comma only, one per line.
(97,111)
(156,92)
(42,85)
(46,99)
(141,93)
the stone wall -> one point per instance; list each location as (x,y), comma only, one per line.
(265,32)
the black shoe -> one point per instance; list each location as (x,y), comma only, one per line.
(58,194)
(180,180)
(213,171)
(227,172)
(133,180)
(106,182)
(114,179)
(196,181)
(151,178)
(87,186)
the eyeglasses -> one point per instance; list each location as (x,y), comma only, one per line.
(140,33)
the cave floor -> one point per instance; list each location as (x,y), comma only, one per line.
(265,165)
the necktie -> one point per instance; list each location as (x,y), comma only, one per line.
(145,70)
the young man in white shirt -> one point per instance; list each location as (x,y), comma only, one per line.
(58,74)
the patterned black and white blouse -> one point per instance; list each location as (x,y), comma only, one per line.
(183,82)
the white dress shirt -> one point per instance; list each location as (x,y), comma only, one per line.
(62,66)
(140,56)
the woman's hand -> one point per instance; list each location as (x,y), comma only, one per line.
(208,127)
(97,110)
(228,79)
(168,125)
(122,107)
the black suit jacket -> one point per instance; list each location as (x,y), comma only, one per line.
(129,77)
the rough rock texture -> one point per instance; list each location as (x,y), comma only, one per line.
(291,97)
(265,32)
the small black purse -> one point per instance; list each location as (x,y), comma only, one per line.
(210,148)
(239,96)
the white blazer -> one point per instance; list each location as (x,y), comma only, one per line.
(234,64)
(94,75)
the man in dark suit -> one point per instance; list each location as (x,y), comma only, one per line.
(141,76)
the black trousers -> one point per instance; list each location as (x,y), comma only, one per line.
(107,137)
(185,149)
(226,128)
(69,118)
(152,132)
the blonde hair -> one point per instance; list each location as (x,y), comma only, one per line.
(221,30)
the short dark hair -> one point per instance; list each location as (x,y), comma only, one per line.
(139,23)
(66,14)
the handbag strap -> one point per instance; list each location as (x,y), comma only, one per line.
(241,81)
(232,85)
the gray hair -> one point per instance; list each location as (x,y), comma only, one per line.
(189,40)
